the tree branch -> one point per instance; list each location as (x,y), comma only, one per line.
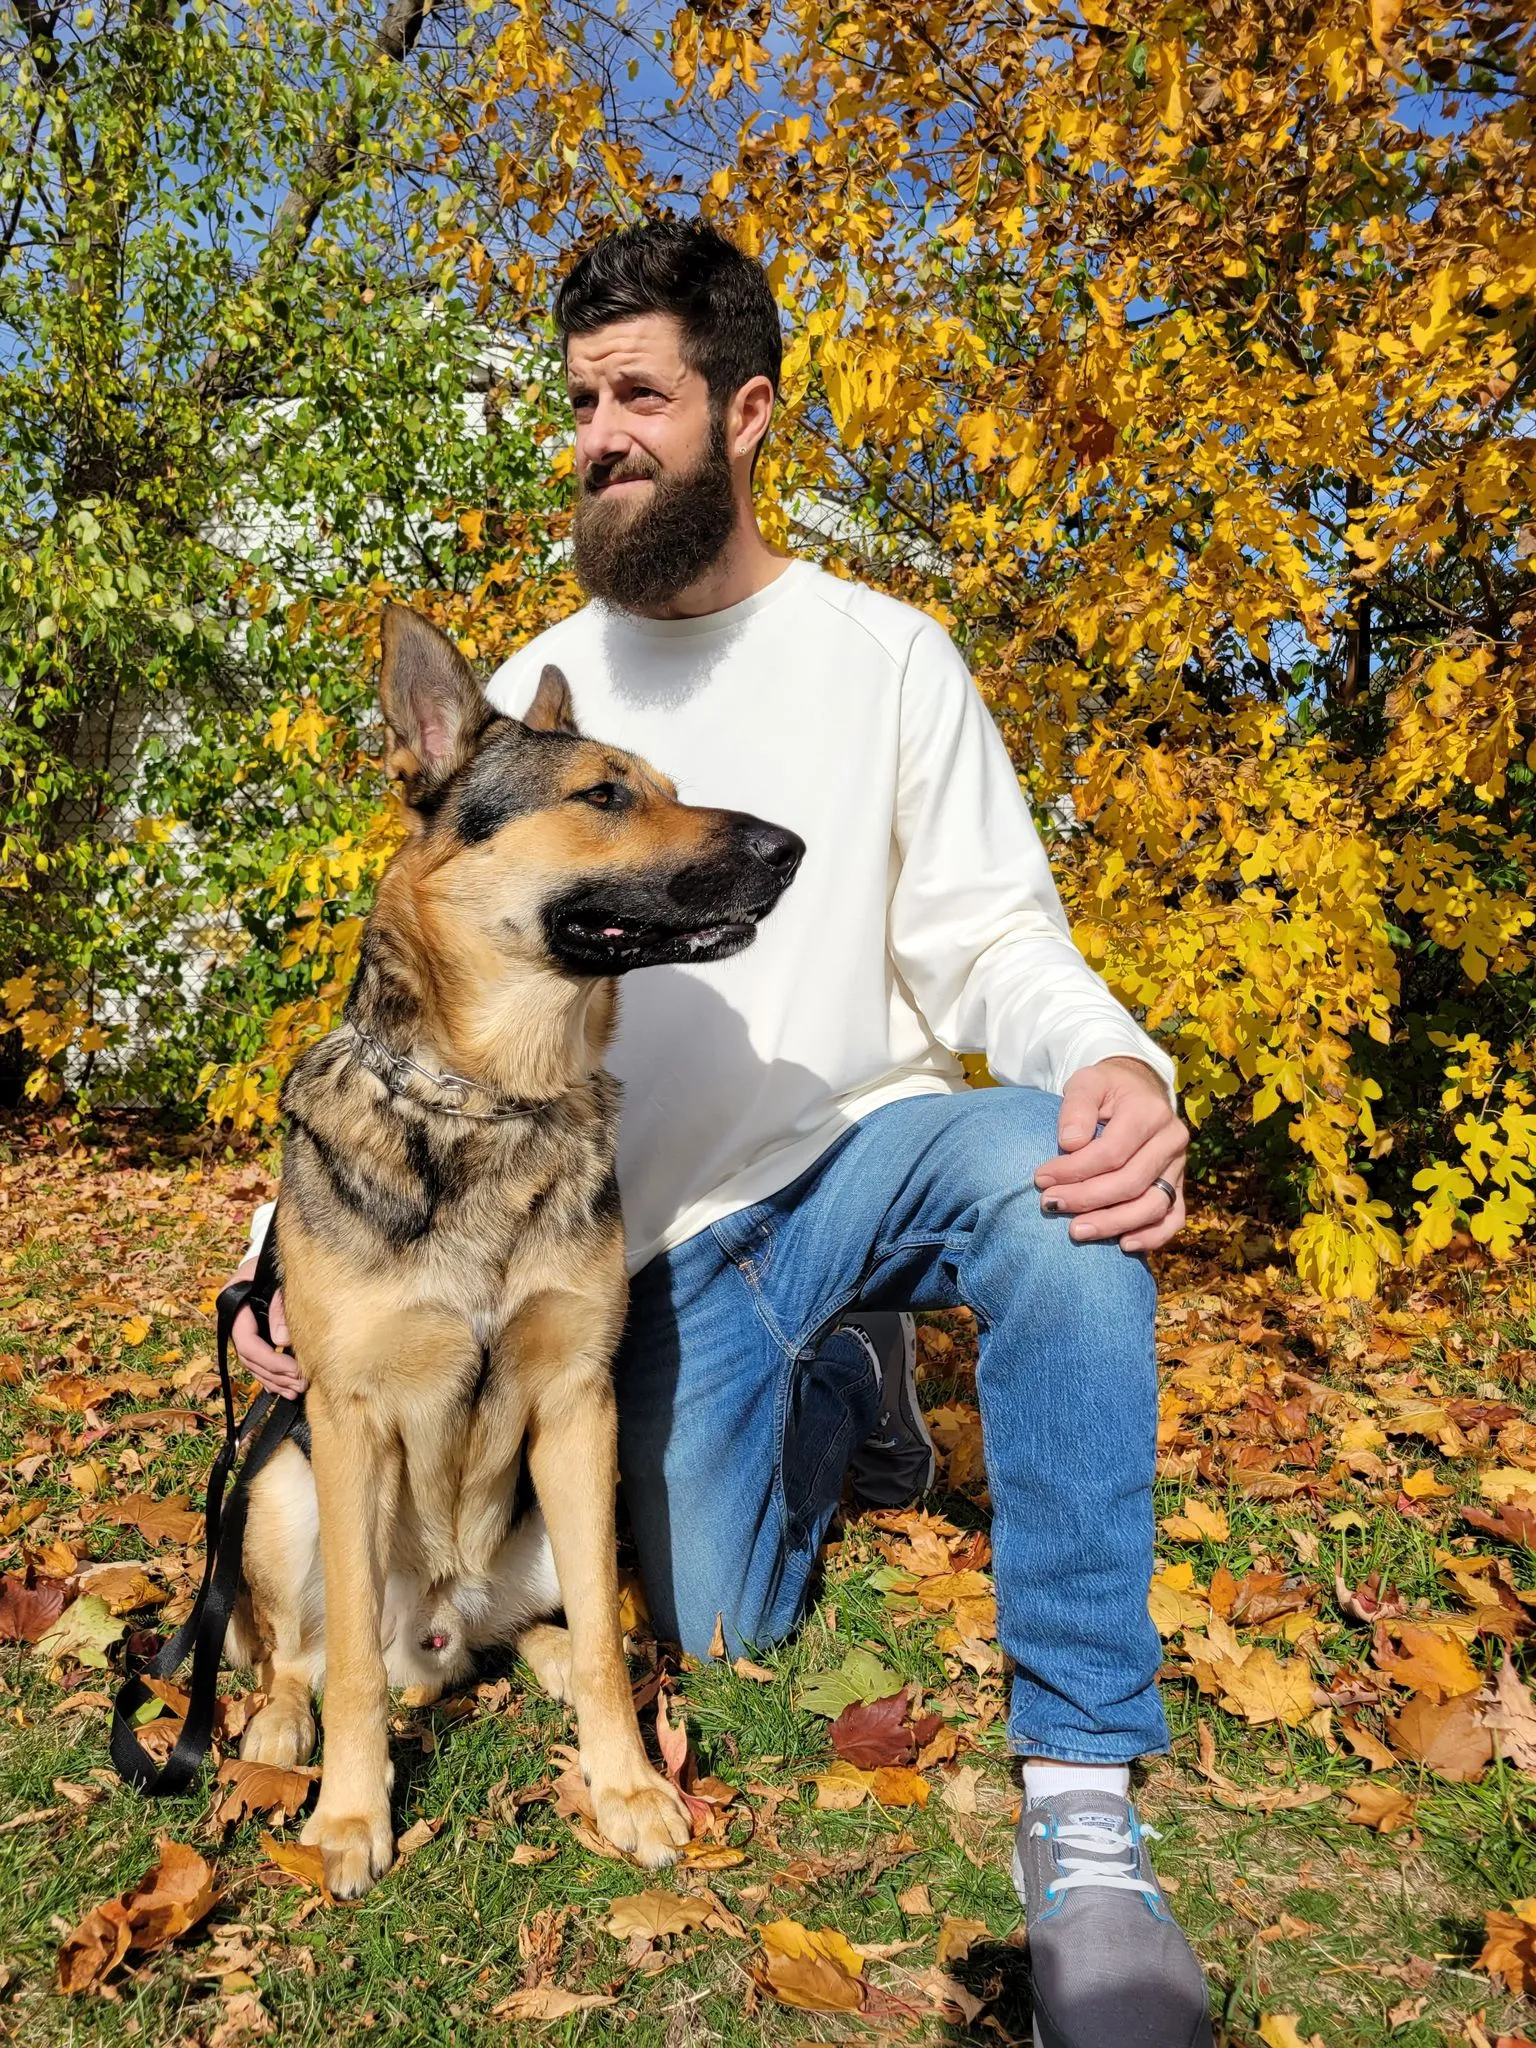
(329,162)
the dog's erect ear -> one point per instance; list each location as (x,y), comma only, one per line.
(435,707)
(551,709)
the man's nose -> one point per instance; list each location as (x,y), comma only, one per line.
(603,435)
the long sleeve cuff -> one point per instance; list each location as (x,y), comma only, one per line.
(261,1223)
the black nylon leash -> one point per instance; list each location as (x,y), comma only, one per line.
(264,1429)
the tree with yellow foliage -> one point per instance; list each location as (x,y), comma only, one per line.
(1180,361)
(1185,359)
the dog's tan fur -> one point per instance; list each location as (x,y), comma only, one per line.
(455,1286)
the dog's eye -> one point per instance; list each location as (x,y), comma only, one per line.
(603,796)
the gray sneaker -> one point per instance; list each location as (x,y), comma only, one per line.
(895,1464)
(1110,1964)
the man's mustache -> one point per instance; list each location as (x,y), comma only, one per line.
(634,468)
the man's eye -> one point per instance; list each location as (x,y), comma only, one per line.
(603,796)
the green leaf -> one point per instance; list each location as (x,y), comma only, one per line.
(83,1631)
(889,1580)
(860,1679)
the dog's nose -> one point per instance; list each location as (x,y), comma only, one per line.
(777,849)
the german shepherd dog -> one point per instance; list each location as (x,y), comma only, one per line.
(452,1257)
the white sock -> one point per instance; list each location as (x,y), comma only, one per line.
(1045,1781)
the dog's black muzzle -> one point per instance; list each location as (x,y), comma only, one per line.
(706,910)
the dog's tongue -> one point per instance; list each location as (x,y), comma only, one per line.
(613,932)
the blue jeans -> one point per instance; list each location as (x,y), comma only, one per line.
(740,1403)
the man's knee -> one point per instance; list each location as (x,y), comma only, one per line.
(1021,1256)
(711,1618)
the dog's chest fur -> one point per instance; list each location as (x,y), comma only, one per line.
(448,1212)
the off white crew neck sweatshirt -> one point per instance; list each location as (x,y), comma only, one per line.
(923,922)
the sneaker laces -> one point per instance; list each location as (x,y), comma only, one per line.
(1094,1868)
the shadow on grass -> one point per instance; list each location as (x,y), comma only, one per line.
(997,1972)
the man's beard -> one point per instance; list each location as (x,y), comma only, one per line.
(640,558)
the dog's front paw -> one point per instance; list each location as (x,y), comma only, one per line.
(645,1817)
(282,1734)
(358,1847)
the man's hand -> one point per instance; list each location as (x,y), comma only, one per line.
(277,1371)
(1107,1183)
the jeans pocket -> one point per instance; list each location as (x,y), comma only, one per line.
(747,1238)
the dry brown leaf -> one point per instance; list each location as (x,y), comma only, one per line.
(417,1836)
(842,1788)
(572,1795)
(1262,1597)
(949,1996)
(19,1516)
(1175,1602)
(528,1853)
(811,1984)
(1508,1483)
(1278,2030)
(27,1612)
(172,1897)
(245,2017)
(1367,1745)
(1515,1521)
(895,1786)
(655,1915)
(915,1900)
(303,1860)
(1428,1660)
(816,1970)
(158,1521)
(958,1789)
(1197,1523)
(1423,1485)
(1289,1928)
(1511,1716)
(957,1938)
(1382,1807)
(672,1740)
(1250,1679)
(710,1856)
(126,1588)
(260,1788)
(1451,1738)
(951,1589)
(1370,1602)
(745,1668)
(1270,1798)
(940,1750)
(548,2002)
(789,1938)
(875,1732)
(1509,1947)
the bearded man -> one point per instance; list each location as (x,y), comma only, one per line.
(800,1156)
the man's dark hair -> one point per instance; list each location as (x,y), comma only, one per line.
(719,296)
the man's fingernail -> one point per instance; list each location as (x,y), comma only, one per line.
(1050,1208)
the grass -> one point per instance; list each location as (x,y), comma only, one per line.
(1362,1938)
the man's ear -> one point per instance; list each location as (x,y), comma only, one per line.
(435,707)
(551,709)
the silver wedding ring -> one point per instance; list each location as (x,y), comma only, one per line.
(1168,1189)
